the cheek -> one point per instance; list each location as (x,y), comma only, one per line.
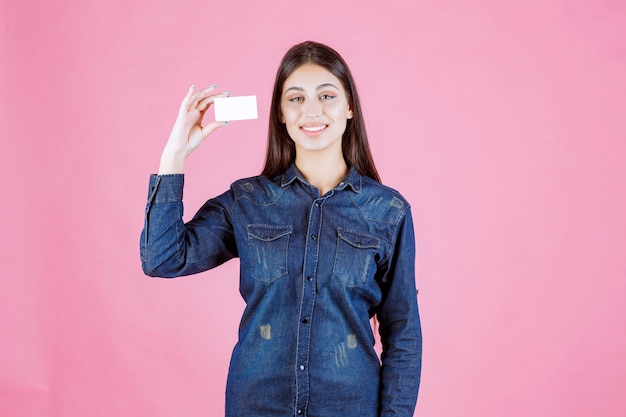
(286,115)
(339,110)
(290,121)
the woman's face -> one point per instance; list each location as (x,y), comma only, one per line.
(315,109)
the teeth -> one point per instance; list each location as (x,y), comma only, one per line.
(314,129)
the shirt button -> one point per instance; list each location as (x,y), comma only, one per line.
(313,237)
(302,367)
(299,412)
(309,278)
(305,321)
(317,204)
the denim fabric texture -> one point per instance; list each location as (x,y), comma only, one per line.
(314,270)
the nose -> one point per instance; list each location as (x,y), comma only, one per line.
(312,108)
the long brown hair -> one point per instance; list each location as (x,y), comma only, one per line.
(281,151)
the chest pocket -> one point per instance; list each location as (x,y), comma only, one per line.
(355,257)
(268,250)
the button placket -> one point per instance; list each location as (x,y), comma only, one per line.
(311,254)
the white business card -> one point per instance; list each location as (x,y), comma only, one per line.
(235,108)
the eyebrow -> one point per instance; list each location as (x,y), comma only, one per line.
(319,87)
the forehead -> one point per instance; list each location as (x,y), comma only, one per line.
(310,76)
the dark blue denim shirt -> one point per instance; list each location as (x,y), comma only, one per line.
(314,270)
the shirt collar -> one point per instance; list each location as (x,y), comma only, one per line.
(354,180)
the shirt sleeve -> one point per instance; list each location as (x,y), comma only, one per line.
(171,248)
(399,327)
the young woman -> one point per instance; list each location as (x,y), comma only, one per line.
(323,248)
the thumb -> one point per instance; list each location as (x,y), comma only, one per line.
(210,128)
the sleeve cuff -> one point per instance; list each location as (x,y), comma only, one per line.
(166,188)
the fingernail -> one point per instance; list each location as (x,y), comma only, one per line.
(226,92)
(226,124)
(191,87)
(213,85)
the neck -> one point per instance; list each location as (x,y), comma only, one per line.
(322,172)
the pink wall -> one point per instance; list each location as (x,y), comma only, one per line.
(502,122)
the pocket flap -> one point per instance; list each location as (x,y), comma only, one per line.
(267,232)
(358,240)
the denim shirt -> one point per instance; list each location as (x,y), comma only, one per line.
(314,271)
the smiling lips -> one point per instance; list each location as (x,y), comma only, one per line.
(314,130)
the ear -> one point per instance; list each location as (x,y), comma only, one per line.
(350,113)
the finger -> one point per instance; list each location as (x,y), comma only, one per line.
(198,96)
(206,102)
(184,105)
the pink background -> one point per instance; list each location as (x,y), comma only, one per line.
(502,122)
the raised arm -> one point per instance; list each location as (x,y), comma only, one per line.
(168,247)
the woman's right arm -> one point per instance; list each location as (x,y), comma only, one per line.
(169,247)
(188,132)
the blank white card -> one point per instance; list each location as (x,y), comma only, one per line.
(235,108)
